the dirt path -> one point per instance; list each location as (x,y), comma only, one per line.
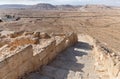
(76,62)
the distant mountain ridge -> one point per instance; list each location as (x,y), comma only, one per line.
(45,6)
(14,6)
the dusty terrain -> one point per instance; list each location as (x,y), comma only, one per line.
(102,24)
(76,62)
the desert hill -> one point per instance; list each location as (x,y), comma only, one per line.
(43,6)
(14,6)
(46,6)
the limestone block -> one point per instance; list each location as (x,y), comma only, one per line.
(26,53)
(36,62)
(45,61)
(42,55)
(61,46)
(46,50)
(36,34)
(4,69)
(73,38)
(28,33)
(26,67)
(23,41)
(44,36)
(14,61)
(51,55)
(16,34)
(11,75)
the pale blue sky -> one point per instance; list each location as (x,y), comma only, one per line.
(58,2)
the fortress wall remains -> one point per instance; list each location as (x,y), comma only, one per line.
(107,61)
(16,64)
(25,61)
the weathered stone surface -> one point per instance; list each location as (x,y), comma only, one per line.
(107,58)
(44,36)
(23,41)
(16,34)
(36,34)
(28,33)
(25,53)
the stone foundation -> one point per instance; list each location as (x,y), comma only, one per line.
(29,56)
(106,60)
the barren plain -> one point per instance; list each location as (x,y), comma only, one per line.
(87,38)
(100,23)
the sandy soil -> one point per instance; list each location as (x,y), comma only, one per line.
(103,25)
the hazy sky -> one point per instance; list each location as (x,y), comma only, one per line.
(57,2)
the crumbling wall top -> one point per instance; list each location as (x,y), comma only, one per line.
(13,42)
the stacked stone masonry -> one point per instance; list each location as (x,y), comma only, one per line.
(107,60)
(24,52)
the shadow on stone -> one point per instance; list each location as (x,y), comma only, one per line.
(84,45)
(67,62)
(66,65)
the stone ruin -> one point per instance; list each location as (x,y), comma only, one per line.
(107,60)
(24,52)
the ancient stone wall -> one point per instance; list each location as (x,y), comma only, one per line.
(107,61)
(16,64)
(27,60)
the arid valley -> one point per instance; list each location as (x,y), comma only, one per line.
(90,22)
